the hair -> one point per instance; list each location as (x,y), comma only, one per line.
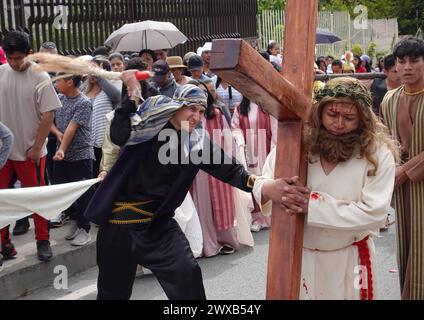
(102,62)
(409,47)
(319,62)
(245,106)
(16,41)
(368,66)
(209,112)
(116,55)
(151,52)
(380,63)
(101,51)
(136,64)
(337,63)
(271,45)
(372,132)
(359,59)
(76,80)
(264,54)
(389,62)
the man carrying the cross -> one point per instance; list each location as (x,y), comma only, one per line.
(135,203)
(351,169)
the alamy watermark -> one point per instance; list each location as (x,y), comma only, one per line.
(361,20)
(360,281)
(60,282)
(175,150)
(61,14)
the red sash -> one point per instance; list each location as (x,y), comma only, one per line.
(364,257)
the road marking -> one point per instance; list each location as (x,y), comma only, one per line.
(80,293)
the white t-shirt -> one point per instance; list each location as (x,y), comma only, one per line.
(276,59)
(21,106)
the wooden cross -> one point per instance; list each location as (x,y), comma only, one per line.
(288,99)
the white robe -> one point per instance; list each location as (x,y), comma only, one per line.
(188,220)
(350,207)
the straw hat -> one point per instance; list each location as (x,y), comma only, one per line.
(175,62)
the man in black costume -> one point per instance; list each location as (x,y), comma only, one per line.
(135,203)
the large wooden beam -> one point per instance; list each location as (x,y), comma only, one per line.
(288,99)
(237,63)
(359,76)
(286,237)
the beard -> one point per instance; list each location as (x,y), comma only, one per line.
(336,149)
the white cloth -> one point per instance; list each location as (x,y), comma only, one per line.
(278,59)
(188,220)
(348,206)
(243,205)
(47,201)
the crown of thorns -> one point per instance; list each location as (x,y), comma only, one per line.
(354,92)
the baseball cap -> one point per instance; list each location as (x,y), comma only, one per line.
(3,59)
(161,69)
(187,56)
(366,58)
(195,63)
(49,45)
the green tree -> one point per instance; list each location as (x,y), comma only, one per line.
(271,5)
(409,13)
(357,49)
(382,54)
(392,45)
(371,50)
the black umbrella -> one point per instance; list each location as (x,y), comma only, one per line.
(326,36)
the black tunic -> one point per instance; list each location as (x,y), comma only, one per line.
(138,175)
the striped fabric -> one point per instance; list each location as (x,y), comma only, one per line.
(389,111)
(153,114)
(102,105)
(150,118)
(221,193)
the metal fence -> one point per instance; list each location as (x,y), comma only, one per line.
(79,26)
(384,32)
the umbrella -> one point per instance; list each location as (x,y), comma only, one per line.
(148,34)
(326,36)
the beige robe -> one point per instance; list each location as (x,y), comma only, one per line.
(350,207)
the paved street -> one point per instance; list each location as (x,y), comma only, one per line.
(241,276)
